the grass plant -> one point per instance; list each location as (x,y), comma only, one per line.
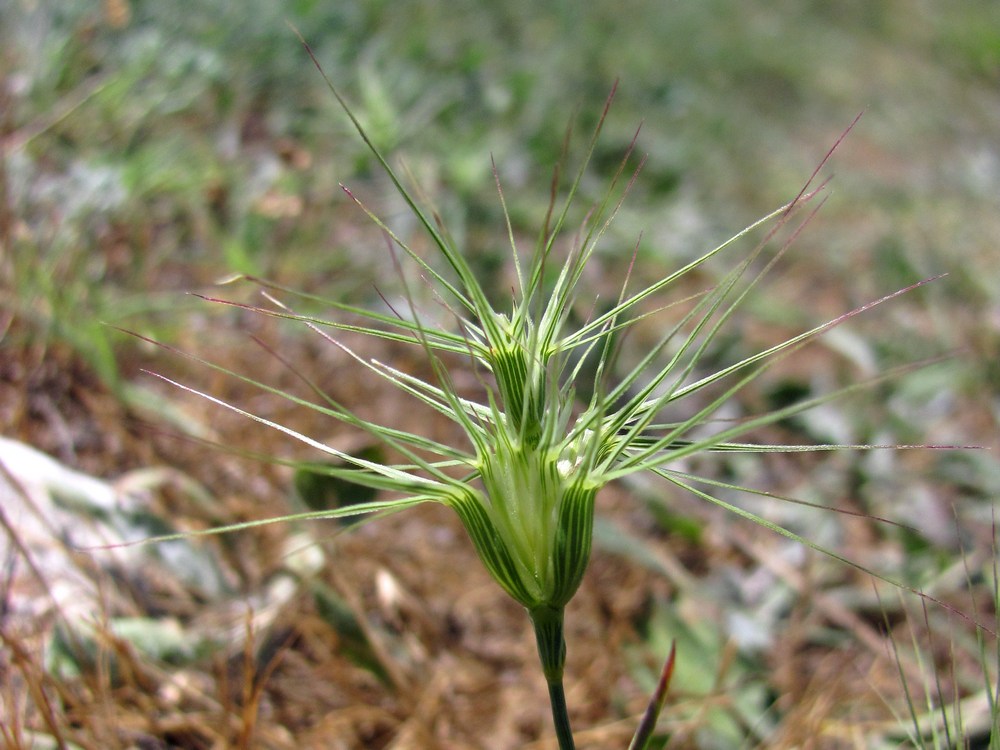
(145,152)
(942,708)
(535,452)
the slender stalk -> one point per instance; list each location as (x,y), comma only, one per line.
(548,623)
(560,716)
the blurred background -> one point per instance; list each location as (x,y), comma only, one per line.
(151,149)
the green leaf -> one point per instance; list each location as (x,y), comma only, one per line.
(326,485)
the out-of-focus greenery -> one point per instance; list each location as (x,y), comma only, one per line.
(174,136)
(149,151)
(150,148)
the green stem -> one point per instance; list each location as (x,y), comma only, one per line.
(548,623)
(560,716)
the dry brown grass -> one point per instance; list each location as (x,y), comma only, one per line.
(455,655)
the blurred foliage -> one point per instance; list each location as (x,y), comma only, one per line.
(319,490)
